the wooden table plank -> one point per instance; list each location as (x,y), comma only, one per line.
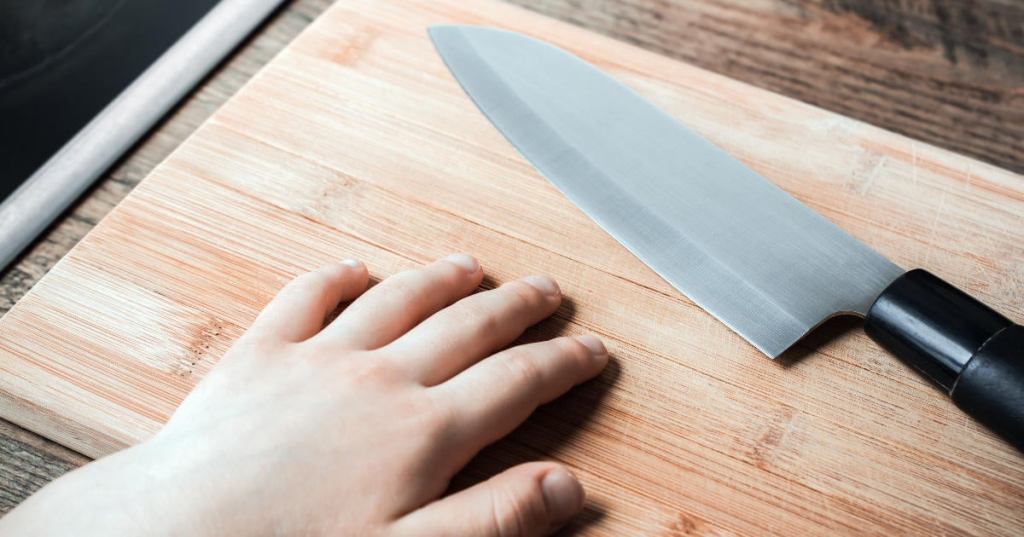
(29,461)
(933,69)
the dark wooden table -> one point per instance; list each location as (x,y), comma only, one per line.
(947,72)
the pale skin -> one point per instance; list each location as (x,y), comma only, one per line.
(353,428)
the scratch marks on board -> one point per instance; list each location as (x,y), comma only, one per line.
(336,196)
(198,347)
(870,181)
(940,210)
(779,425)
(687,525)
(869,166)
(354,47)
(933,227)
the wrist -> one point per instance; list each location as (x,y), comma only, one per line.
(128,492)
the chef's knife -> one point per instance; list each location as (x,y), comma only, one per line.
(736,244)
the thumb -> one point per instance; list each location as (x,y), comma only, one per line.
(527,500)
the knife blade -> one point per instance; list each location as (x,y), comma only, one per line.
(733,242)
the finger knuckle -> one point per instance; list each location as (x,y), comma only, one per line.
(413,282)
(437,421)
(401,285)
(480,320)
(524,369)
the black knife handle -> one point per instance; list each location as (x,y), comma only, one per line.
(968,349)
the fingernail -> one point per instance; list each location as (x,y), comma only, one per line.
(595,345)
(543,284)
(464,261)
(354,263)
(563,495)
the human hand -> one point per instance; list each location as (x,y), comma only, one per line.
(356,428)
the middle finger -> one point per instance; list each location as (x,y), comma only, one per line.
(462,334)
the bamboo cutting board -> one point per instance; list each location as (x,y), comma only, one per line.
(356,142)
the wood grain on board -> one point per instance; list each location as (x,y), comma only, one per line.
(356,142)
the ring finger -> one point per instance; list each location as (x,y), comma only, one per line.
(494,396)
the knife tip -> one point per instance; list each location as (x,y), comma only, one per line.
(440,30)
(436,30)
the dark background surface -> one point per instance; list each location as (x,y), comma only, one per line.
(948,72)
(61,62)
